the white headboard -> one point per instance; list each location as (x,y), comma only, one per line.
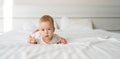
(100,12)
(110,23)
(106,23)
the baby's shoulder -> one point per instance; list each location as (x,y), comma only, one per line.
(36,30)
(56,36)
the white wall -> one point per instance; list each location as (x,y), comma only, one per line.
(1,18)
(72,11)
(71,8)
(1,25)
(79,8)
(95,9)
(82,8)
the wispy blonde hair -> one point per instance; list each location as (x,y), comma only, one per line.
(47,18)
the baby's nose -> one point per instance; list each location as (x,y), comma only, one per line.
(46,31)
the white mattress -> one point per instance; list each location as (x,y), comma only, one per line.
(93,44)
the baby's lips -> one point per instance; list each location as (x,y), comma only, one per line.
(46,35)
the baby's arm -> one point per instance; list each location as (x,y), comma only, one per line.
(32,40)
(36,30)
(63,41)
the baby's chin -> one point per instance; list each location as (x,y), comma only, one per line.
(46,37)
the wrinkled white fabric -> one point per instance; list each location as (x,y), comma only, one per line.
(14,45)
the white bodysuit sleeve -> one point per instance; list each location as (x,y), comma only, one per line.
(56,38)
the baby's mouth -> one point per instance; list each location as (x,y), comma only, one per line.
(46,35)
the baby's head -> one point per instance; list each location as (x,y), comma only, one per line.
(46,28)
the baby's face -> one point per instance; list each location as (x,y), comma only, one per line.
(46,30)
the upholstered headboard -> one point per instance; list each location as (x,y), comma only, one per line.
(96,22)
(105,23)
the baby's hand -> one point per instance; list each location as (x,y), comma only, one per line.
(32,40)
(63,41)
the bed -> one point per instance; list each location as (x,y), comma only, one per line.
(83,43)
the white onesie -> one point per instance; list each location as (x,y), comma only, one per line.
(55,39)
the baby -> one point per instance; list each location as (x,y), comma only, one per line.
(45,33)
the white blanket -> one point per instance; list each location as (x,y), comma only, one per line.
(14,47)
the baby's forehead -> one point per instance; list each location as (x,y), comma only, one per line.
(44,21)
(47,22)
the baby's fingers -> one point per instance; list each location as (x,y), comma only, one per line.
(32,40)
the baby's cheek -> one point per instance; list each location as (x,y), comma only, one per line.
(51,33)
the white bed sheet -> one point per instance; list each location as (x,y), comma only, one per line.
(77,35)
(81,45)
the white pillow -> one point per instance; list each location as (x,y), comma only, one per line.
(75,24)
(27,25)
